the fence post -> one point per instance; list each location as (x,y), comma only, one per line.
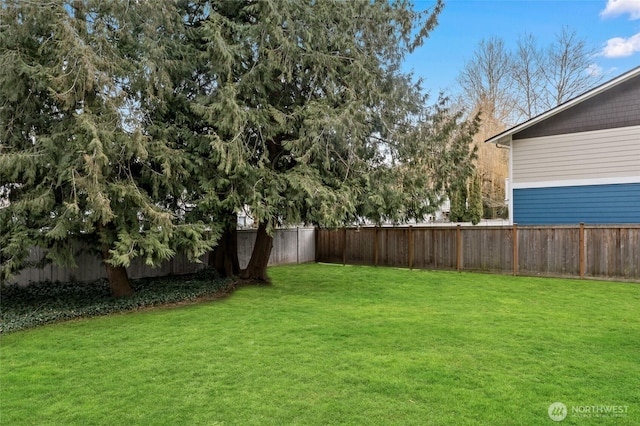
(458,248)
(582,250)
(297,245)
(344,246)
(410,252)
(515,249)
(318,239)
(375,246)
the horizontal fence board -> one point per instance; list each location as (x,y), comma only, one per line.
(609,251)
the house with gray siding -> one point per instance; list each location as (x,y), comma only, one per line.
(580,161)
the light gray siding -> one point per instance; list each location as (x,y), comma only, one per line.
(602,154)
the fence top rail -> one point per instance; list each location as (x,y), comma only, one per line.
(622,226)
(586,226)
(293,229)
(452,227)
(490,227)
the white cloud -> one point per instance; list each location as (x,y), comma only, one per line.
(620,7)
(595,70)
(619,47)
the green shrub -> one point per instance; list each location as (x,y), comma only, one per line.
(47,302)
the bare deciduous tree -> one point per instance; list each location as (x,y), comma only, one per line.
(566,67)
(528,77)
(486,81)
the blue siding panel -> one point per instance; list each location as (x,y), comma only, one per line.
(595,204)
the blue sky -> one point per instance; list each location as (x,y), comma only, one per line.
(612,27)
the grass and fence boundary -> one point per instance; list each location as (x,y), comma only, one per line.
(580,251)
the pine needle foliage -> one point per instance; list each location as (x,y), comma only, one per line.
(75,164)
(475,200)
(142,126)
(300,111)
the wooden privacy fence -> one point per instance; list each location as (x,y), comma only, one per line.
(584,251)
(293,245)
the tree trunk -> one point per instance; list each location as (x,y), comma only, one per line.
(224,258)
(256,270)
(117,276)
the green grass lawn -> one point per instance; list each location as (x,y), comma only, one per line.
(328,344)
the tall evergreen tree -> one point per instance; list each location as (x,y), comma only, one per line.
(146,126)
(308,117)
(74,161)
(458,196)
(183,87)
(475,200)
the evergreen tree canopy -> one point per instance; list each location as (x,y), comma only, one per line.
(300,111)
(475,200)
(73,163)
(312,120)
(458,195)
(144,125)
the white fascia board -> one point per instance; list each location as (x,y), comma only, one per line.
(576,182)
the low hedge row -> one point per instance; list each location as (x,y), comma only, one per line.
(48,302)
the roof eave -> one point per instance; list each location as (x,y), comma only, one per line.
(504,140)
(507,134)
